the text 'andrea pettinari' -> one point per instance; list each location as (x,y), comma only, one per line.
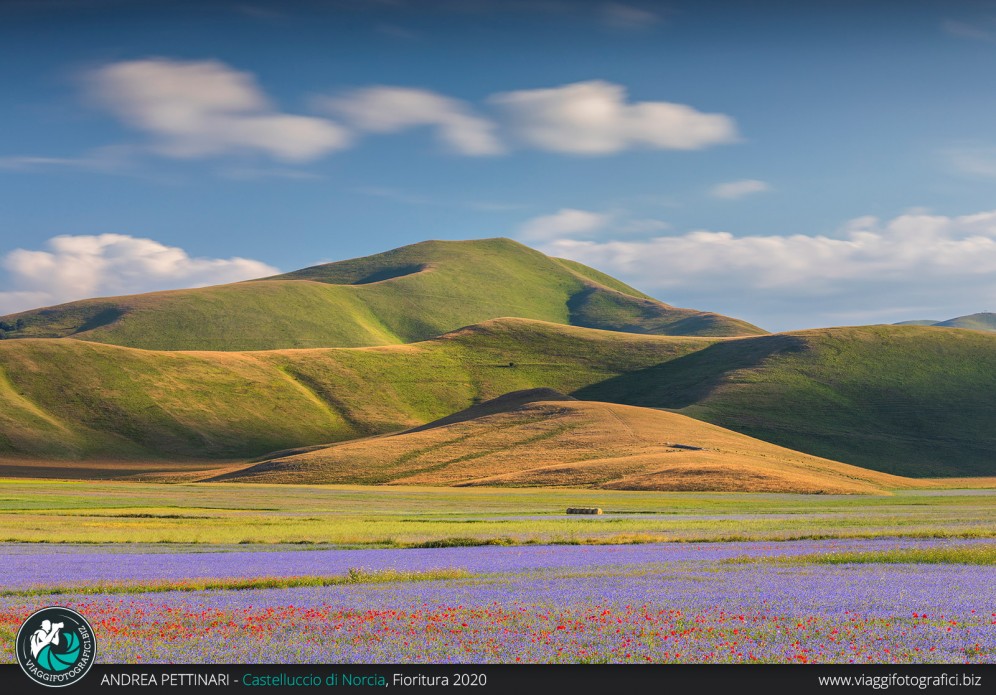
(185,680)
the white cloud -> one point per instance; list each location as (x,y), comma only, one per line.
(946,265)
(194,109)
(202,108)
(77,267)
(565,222)
(593,118)
(738,189)
(393,109)
(574,223)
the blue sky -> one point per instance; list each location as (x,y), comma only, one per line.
(793,164)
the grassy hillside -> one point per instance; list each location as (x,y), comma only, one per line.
(984,321)
(900,399)
(401,296)
(541,438)
(75,399)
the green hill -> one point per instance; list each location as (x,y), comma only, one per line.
(903,400)
(983,321)
(900,399)
(401,296)
(75,399)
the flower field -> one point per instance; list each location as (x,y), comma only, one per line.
(638,603)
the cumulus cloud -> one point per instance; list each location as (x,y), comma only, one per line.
(733,190)
(870,270)
(565,222)
(77,267)
(202,108)
(393,109)
(194,109)
(594,118)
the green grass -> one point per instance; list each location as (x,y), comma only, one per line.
(984,554)
(74,399)
(405,295)
(899,399)
(396,517)
(353,576)
(985,321)
(905,400)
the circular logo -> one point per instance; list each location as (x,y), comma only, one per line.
(55,646)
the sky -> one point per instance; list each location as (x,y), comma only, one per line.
(792,164)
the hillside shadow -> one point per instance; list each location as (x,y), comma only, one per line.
(687,380)
(390,274)
(102,317)
(618,310)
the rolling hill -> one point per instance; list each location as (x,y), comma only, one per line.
(983,321)
(406,295)
(543,438)
(73,399)
(905,400)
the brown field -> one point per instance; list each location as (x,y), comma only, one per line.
(540,438)
(115,469)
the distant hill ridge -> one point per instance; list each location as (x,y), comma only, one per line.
(908,400)
(401,296)
(983,321)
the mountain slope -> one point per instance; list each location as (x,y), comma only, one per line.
(543,438)
(73,399)
(900,399)
(984,321)
(401,296)
(904,400)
